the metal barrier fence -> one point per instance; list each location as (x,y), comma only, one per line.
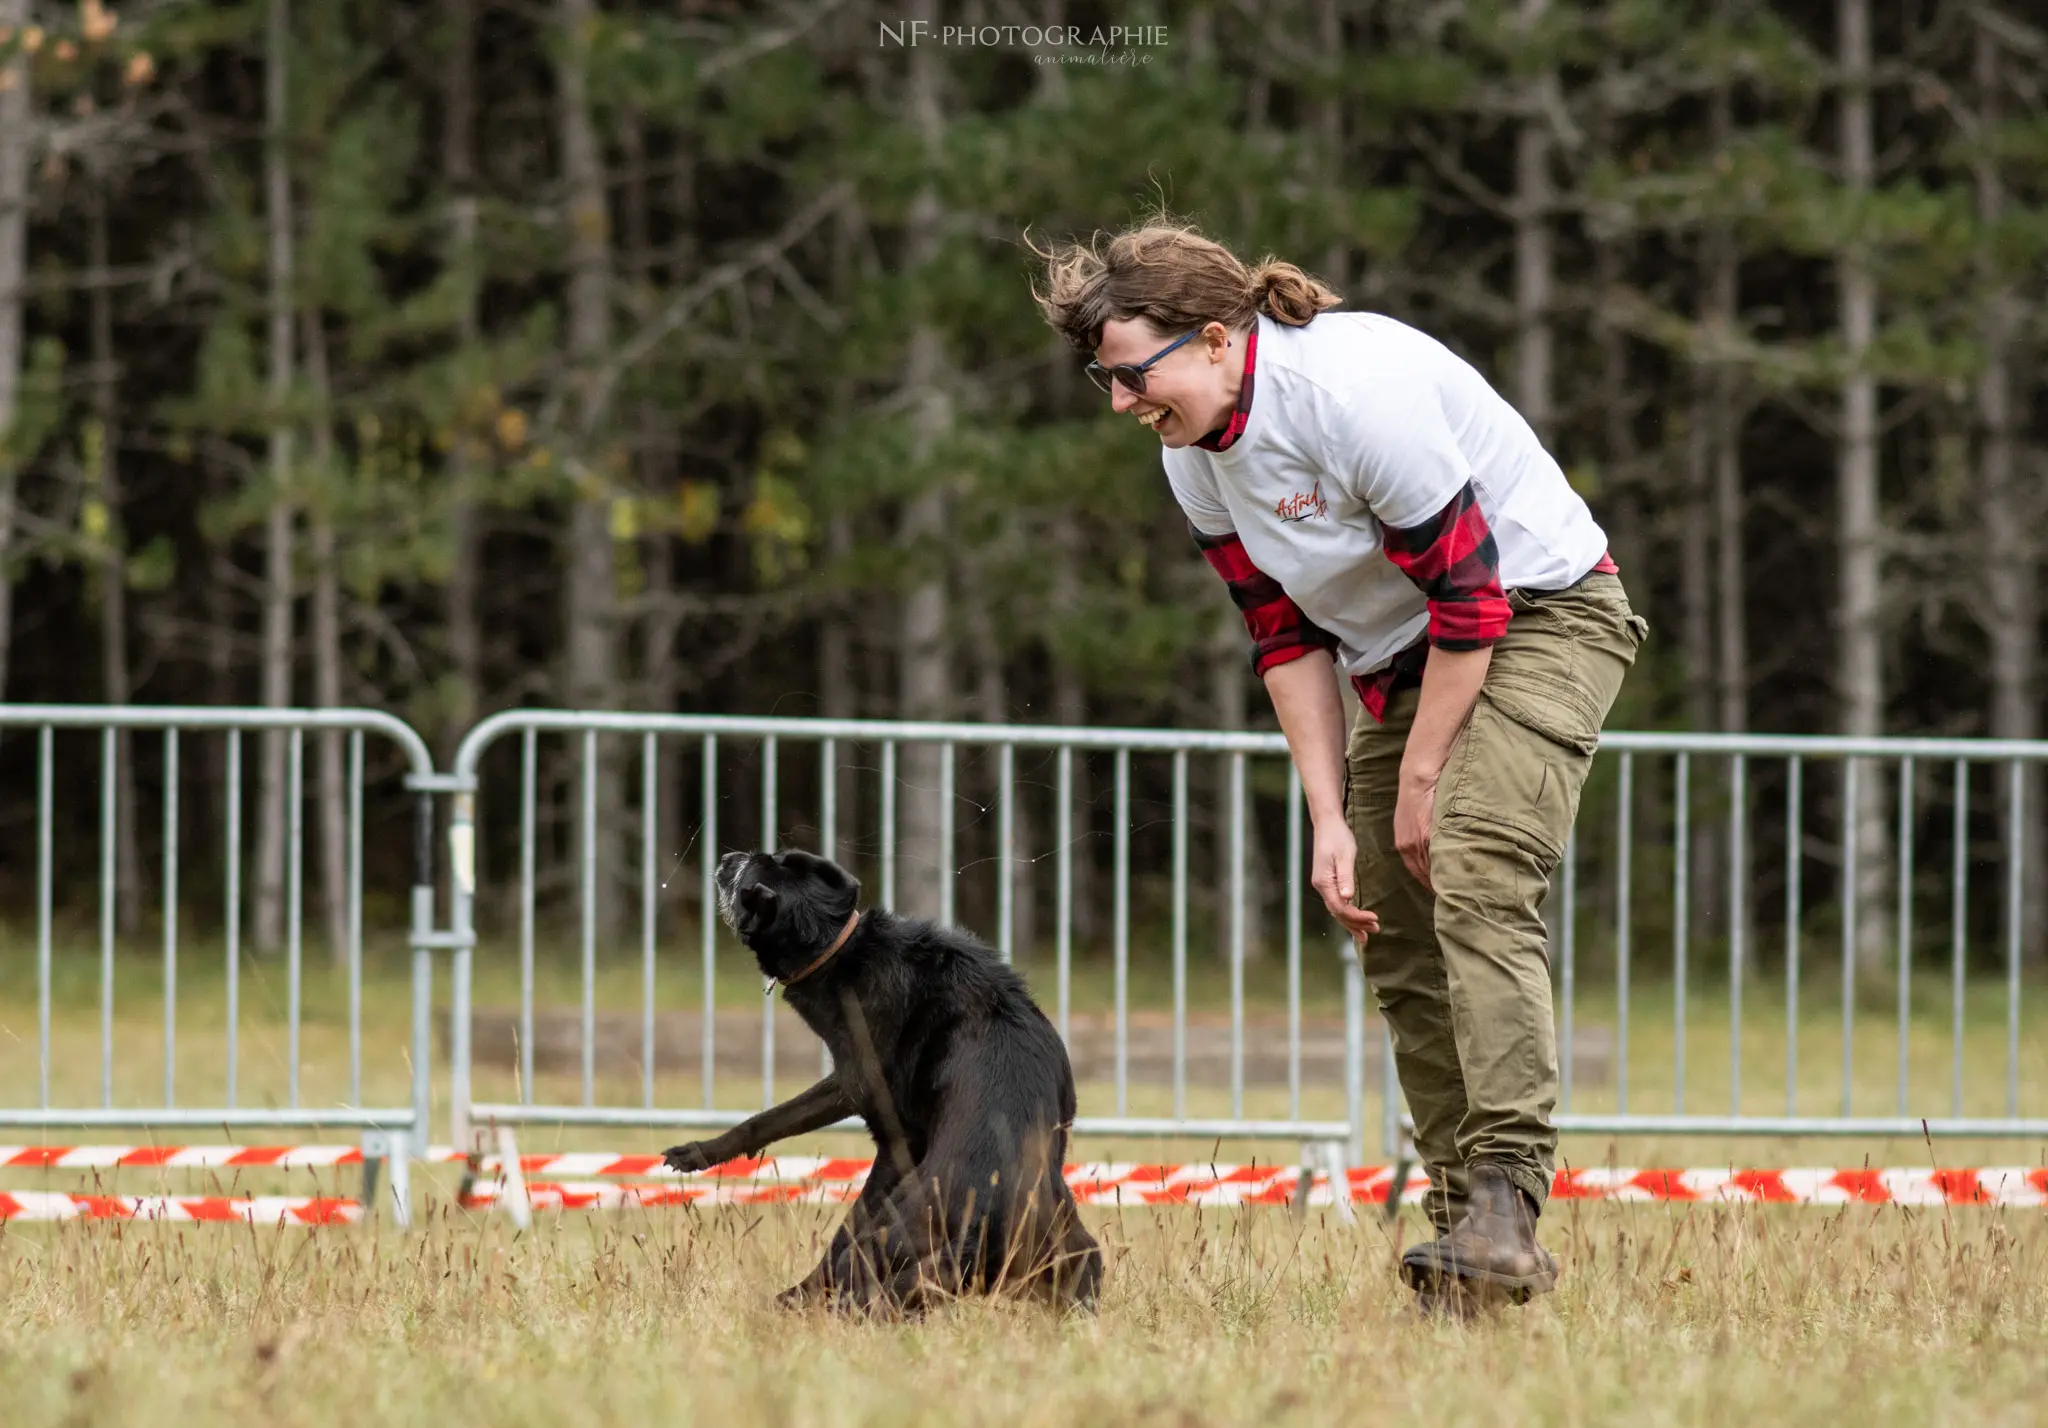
(1737,858)
(895,746)
(392,1135)
(1892,798)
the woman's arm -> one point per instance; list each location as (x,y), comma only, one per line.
(1450,687)
(1311,713)
(1292,655)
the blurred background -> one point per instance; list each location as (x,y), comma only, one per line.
(453,356)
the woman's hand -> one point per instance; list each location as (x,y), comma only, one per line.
(1336,866)
(1414,816)
(1451,680)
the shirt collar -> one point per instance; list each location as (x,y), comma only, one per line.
(1225,436)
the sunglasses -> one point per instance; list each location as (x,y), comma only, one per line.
(1132,376)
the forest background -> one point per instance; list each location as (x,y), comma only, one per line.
(449,357)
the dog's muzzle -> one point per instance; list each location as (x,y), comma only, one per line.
(727,882)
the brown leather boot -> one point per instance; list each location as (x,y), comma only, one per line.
(1493,1246)
(1461,1302)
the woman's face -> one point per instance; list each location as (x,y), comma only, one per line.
(1189,392)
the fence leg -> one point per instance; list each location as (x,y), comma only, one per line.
(472,1171)
(1340,1179)
(1397,1185)
(1305,1180)
(388,1155)
(514,1199)
(1326,1156)
(373,1165)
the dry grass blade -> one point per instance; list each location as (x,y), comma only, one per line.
(1209,1317)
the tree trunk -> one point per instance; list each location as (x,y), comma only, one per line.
(221,685)
(1627,538)
(1619,438)
(1724,424)
(333,808)
(662,620)
(1725,443)
(1695,560)
(278,532)
(683,267)
(991,706)
(1860,674)
(2012,515)
(1695,585)
(1730,592)
(836,692)
(462,606)
(1228,697)
(1201,28)
(1052,89)
(924,655)
(1070,711)
(1724,297)
(1329,131)
(115,683)
(589,615)
(16,133)
(836,635)
(924,660)
(1535,274)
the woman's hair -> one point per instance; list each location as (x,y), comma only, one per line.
(1173,277)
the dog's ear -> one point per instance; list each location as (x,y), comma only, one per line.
(759,899)
(834,876)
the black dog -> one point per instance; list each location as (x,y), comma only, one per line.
(962,1081)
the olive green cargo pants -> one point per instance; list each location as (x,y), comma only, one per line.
(1463,976)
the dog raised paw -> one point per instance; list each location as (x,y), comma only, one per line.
(688,1158)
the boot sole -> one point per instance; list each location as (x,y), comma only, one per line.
(1434,1277)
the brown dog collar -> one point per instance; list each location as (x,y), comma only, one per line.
(826,956)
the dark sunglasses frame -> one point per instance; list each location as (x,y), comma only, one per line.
(1132,376)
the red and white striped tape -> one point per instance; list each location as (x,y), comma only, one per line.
(818,1180)
(794,1180)
(198,1157)
(176,1157)
(2013,1185)
(260,1210)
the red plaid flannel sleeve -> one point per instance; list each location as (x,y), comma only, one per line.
(1279,631)
(1453,559)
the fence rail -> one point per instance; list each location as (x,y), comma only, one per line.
(1706,875)
(707,737)
(1881,883)
(388,1130)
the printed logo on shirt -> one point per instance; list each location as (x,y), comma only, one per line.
(1302,505)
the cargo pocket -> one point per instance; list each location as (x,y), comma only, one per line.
(1562,710)
(1529,745)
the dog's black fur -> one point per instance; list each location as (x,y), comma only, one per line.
(962,1082)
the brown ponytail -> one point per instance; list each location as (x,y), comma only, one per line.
(1286,294)
(1173,277)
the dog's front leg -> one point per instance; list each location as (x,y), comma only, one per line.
(900,1253)
(833,1271)
(807,1111)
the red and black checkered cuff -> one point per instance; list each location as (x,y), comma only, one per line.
(1453,560)
(1280,631)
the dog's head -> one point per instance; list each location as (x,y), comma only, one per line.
(788,907)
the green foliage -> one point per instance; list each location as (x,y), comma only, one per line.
(778,411)
(39,405)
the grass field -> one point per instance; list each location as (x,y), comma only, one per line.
(1664,1314)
